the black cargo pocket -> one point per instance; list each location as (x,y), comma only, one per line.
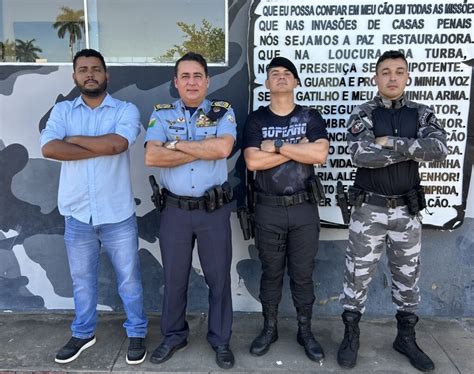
(269,241)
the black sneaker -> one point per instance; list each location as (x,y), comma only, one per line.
(73,349)
(136,351)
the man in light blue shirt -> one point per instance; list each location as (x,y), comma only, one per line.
(91,135)
(190,141)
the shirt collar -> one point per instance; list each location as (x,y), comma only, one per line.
(108,101)
(204,106)
(391,104)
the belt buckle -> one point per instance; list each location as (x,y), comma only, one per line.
(391,203)
(193,204)
(289,200)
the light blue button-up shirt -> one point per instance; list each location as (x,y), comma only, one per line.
(98,188)
(196,177)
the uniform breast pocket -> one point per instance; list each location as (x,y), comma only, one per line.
(206,132)
(177,132)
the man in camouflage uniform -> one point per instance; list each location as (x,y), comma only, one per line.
(388,136)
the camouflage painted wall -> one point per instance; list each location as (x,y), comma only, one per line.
(34,273)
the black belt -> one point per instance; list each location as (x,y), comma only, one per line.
(185,203)
(285,200)
(385,201)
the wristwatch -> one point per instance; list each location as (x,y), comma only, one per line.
(171,145)
(278,143)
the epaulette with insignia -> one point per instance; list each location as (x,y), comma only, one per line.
(218,109)
(163,106)
(221,104)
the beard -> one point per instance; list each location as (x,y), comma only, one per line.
(92,92)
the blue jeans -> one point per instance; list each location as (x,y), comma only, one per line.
(120,242)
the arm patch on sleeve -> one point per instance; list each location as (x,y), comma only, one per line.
(428,118)
(357,127)
(151,123)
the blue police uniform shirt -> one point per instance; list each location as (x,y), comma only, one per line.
(196,177)
(98,188)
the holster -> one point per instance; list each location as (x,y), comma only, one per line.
(343,203)
(355,196)
(315,189)
(246,222)
(157,197)
(246,212)
(415,200)
(421,198)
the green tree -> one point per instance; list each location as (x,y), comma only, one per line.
(7,49)
(70,22)
(209,41)
(26,51)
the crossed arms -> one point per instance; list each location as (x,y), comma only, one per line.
(305,152)
(73,148)
(371,152)
(187,151)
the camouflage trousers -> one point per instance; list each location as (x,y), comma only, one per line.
(373,229)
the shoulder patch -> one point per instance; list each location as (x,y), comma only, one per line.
(427,118)
(151,123)
(357,127)
(424,117)
(163,106)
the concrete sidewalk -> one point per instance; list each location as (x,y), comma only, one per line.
(29,343)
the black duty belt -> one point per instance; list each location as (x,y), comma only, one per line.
(385,201)
(285,200)
(185,203)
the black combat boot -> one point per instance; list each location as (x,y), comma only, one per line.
(305,337)
(405,342)
(347,353)
(269,334)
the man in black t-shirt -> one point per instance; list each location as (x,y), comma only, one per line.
(388,136)
(282,142)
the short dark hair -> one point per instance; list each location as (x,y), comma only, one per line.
(390,55)
(191,56)
(88,53)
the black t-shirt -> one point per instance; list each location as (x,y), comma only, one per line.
(290,177)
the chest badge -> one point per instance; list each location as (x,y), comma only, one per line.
(204,121)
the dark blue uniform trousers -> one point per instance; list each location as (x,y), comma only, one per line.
(178,229)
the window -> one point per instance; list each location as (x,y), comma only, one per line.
(124,31)
(29,31)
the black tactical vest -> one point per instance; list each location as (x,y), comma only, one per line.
(395,179)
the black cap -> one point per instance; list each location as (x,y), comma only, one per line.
(283,62)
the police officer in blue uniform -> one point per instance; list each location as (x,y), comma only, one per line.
(189,141)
